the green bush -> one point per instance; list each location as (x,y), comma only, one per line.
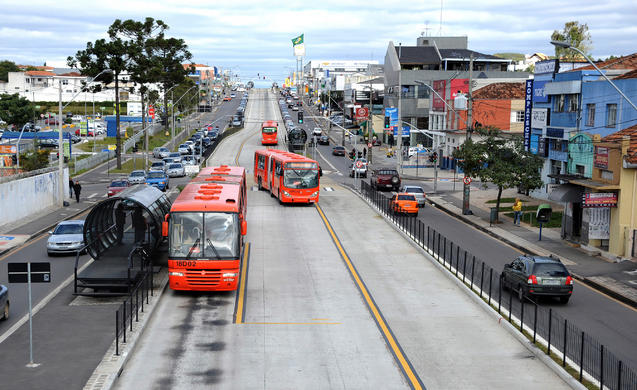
(34,160)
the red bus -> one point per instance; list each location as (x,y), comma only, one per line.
(268,133)
(290,177)
(205,229)
(225,174)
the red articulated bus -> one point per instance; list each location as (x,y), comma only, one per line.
(205,230)
(269,133)
(225,174)
(290,177)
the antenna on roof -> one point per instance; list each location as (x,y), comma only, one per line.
(440,27)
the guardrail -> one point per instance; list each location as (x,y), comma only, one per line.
(588,359)
(94,160)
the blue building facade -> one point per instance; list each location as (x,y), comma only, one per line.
(604,110)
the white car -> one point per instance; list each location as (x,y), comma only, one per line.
(66,238)
(317,131)
(137,177)
(176,170)
(417,192)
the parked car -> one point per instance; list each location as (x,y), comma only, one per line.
(206,142)
(158,166)
(358,168)
(383,178)
(160,152)
(176,170)
(237,121)
(4,302)
(51,121)
(324,140)
(227,99)
(338,151)
(66,238)
(404,203)
(158,179)
(137,177)
(416,191)
(118,186)
(176,156)
(76,118)
(535,276)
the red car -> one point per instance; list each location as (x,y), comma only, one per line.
(90,133)
(118,186)
(227,99)
(51,121)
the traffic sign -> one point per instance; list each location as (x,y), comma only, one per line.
(369,144)
(151,112)
(362,113)
(18,272)
(466,180)
(359,164)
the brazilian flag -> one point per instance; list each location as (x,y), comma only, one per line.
(298,40)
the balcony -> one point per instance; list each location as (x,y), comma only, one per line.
(558,155)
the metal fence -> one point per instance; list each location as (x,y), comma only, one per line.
(558,337)
(94,160)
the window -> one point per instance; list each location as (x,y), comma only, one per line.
(580,169)
(559,103)
(423,92)
(65,82)
(27,80)
(519,116)
(611,115)
(590,115)
(573,102)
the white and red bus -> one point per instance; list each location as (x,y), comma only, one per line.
(269,130)
(205,229)
(290,177)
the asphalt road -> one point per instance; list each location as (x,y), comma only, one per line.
(611,322)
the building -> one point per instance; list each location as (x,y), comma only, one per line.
(333,75)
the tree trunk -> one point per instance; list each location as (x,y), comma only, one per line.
(118,138)
(165,109)
(141,94)
(497,205)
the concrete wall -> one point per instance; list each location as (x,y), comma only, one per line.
(26,197)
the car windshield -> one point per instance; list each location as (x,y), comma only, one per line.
(174,155)
(157,164)
(137,173)
(74,228)
(269,130)
(156,175)
(183,146)
(118,184)
(550,269)
(415,190)
(406,197)
(204,235)
(174,166)
(300,178)
(387,172)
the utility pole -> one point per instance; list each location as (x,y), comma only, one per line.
(61,184)
(466,188)
(370,129)
(400,124)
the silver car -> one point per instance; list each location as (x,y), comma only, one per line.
(160,152)
(158,166)
(176,156)
(418,193)
(176,170)
(184,149)
(188,160)
(137,177)
(66,238)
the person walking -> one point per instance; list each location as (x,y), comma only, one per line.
(77,188)
(71,184)
(139,223)
(120,220)
(517,211)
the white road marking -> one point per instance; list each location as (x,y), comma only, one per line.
(328,188)
(92,195)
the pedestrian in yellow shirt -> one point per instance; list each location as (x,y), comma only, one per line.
(517,211)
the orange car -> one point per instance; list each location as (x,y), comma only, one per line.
(227,99)
(404,203)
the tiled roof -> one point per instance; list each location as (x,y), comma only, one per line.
(417,55)
(625,62)
(39,73)
(500,91)
(71,74)
(465,54)
(629,75)
(631,132)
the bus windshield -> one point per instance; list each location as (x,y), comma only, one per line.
(300,178)
(269,130)
(204,236)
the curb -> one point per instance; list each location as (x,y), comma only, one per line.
(510,328)
(601,288)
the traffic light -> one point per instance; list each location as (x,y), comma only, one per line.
(434,157)
(387,122)
(300,118)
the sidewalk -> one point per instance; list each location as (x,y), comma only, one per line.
(599,270)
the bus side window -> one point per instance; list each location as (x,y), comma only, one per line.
(261,160)
(279,171)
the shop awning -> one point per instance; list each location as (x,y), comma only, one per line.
(567,193)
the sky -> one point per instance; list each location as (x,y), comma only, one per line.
(251,37)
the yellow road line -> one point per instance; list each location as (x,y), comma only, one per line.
(292,323)
(401,359)
(240,306)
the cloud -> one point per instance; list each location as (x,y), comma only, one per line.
(255,36)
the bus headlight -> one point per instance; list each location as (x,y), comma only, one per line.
(314,194)
(230,275)
(176,273)
(286,193)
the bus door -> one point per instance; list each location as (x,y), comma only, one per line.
(277,176)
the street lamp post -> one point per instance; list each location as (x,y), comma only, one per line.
(61,183)
(173,113)
(568,46)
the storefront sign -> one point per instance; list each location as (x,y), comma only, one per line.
(548,66)
(539,92)
(528,106)
(440,86)
(538,117)
(599,223)
(599,199)
(601,157)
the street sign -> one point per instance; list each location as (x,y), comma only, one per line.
(466,180)
(405,131)
(369,144)
(362,113)
(18,272)
(151,112)
(359,164)
(8,149)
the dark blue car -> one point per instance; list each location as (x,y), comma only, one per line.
(4,303)
(157,179)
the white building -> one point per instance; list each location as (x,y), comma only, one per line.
(335,74)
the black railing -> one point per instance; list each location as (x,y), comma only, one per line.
(134,302)
(95,240)
(559,338)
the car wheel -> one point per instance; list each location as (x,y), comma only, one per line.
(5,312)
(565,299)
(521,294)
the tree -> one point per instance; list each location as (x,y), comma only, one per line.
(500,161)
(5,68)
(113,54)
(577,36)
(16,110)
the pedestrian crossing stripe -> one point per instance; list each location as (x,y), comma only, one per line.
(328,188)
